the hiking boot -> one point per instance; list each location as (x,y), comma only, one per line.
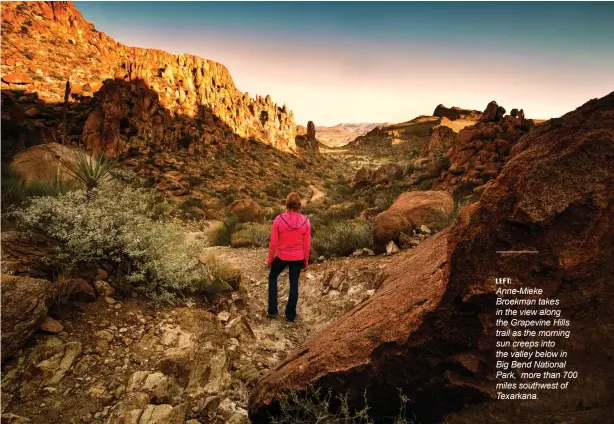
(272,316)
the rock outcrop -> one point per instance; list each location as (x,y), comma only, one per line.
(442,139)
(385,174)
(25,302)
(68,73)
(246,210)
(409,211)
(454,113)
(479,152)
(429,330)
(306,137)
(311,130)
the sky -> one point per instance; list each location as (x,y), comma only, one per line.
(339,62)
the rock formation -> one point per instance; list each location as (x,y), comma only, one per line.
(25,302)
(246,210)
(441,140)
(479,152)
(454,113)
(311,130)
(47,44)
(306,137)
(429,329)
(384,175)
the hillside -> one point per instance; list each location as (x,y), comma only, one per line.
(179,98)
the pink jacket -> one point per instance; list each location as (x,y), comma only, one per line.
(290,238)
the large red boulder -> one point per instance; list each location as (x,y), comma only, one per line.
(410,210)
(246,210)
(429,330)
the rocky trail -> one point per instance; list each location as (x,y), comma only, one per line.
(117,360)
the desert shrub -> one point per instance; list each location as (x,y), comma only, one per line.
(320,218)
(125,228)
(425,184)
(222,236)
(251,235)
(192,202)
(194,181)
(225,277)
(341,238)
(16,189)
(458,206)
(315,406)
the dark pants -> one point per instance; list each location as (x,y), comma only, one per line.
(277,267)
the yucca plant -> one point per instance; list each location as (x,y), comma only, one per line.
(89,170)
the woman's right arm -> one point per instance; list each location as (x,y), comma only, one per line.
(273,242)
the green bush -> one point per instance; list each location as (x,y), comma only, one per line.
(251,235)
(16,189)
(223,235)
(123,227)
(322,217)
(341,238)
(315,407)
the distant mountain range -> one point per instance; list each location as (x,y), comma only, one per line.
(341,134)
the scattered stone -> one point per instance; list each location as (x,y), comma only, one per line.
(363,252)
(245,209)
(79,289)
(239,328)
(51,325)
(238,418)
(223,317)
(109,300)
(14,419)
(103,289)
(425,230)
(392,248)
(55,368)
(210,406)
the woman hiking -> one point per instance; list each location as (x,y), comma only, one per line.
(289,247)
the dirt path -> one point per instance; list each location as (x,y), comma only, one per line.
(318,196)
(117,358)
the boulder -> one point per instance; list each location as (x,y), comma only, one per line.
(490,113)
(17,78)
(410,210)
(43,162)
(386,173)
(444,112)
(246,210)
(79,290)
(362,178)
(51,325)
(25,302)
(103,289)
(429,330)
